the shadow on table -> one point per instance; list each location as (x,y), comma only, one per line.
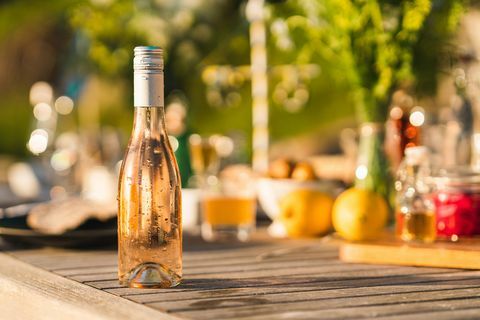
(458,278)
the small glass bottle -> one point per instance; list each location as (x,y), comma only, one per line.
(415,213)
(149,217)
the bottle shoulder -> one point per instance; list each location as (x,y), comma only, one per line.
(153,157)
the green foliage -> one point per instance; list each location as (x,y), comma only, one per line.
(106,31)
(433,52)
(370,42)
(187,32)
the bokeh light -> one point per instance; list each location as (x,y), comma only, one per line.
(396,113)
(62,160)
(174,143)
(361,172)
(224,146)
(41,92)
(417,117)
(64,105)
(38,142)
(42,111)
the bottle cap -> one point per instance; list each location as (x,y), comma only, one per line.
(148,77)
(148,59)
(416,155)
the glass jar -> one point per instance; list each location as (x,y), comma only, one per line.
(415,215)
(457,202)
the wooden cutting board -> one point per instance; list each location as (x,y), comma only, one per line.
(464,254)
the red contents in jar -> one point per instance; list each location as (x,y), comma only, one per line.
(457,213)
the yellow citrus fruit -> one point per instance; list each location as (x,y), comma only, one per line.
(306,213)
(359,214)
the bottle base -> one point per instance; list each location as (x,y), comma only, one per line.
(151,275)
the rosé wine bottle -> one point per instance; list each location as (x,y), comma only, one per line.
(149,198)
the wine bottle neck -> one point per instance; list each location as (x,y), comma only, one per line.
(148,88)
(149,121)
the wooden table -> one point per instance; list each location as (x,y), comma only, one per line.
(263,279)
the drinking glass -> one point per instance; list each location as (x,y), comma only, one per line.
(228,205)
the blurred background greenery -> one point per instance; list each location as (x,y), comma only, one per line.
(69,42)
(84,49)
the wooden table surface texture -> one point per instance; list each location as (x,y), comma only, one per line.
(273,279)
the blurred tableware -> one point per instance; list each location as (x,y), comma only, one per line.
(15,230)
(228,205)
(57,217)
(191,210)
(271,191)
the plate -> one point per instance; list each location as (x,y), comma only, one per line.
(14,230)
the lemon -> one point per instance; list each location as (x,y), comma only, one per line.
(306,213)
(359,214)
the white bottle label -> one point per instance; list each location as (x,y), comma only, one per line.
(147,89)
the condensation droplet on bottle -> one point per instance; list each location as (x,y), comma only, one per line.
(157,150)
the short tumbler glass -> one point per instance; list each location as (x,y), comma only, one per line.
(228,206)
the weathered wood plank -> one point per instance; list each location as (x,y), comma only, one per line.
(28,292)
(329,299)
(271,268)
(344,288)
(65,263)
(207,265)
(440,314)
(200,275)
(340,273)
(336,308)
(254,287)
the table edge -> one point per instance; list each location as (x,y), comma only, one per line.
(29,292)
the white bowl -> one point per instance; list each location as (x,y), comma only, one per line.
(271,191)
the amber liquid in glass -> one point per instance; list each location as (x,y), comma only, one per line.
(416,226)
(149,218)
(224,210)
(228,217)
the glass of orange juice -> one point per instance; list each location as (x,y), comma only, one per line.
(228,205)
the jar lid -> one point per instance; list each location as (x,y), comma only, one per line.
(458,178)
